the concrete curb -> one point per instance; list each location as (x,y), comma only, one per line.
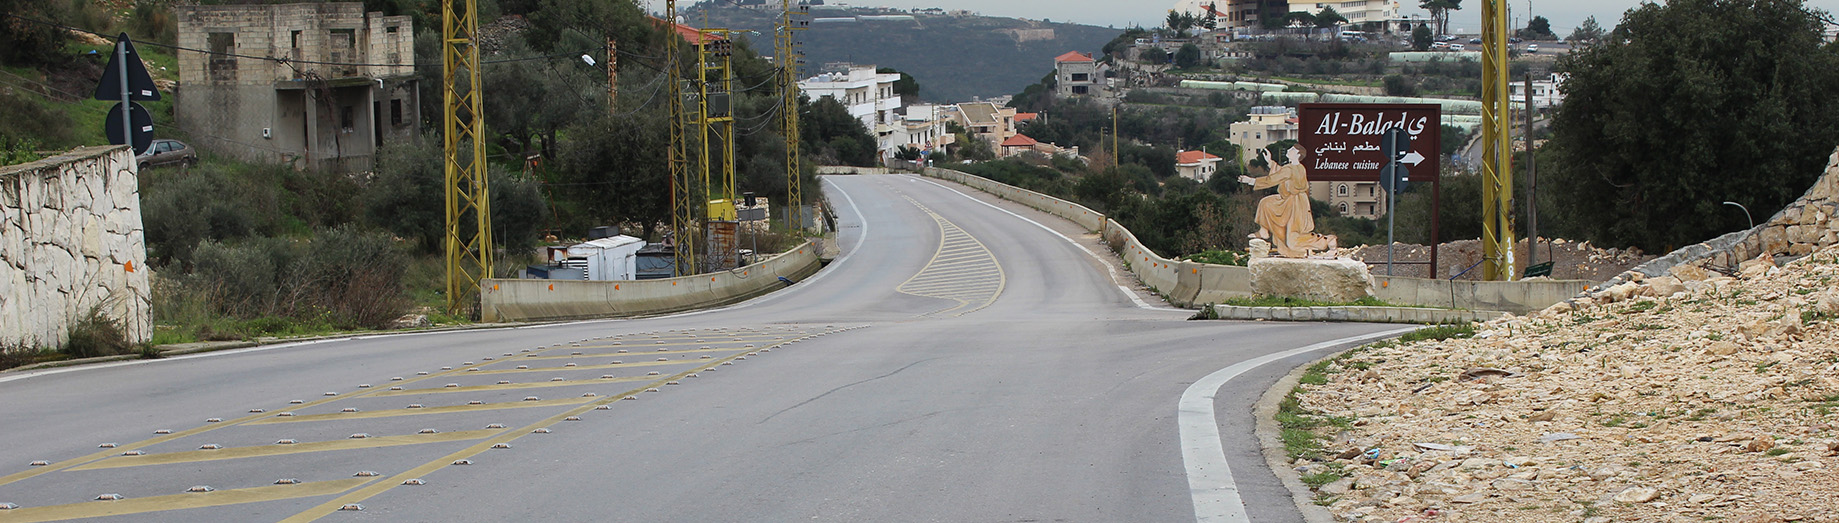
(181,349)
(1362,314)
(1270,441)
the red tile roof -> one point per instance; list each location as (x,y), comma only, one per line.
(1193,157)
(1023,117)
(690,34)
(1073,56)
(1020,140)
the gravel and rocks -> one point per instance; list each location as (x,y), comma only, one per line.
(1574,260)
(1689,397)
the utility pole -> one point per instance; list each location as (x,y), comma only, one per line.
(1496,162)
(682,213)
(612,76)
(1115,159)
(786,40)
(1532,184)
(715,122)
(469,214)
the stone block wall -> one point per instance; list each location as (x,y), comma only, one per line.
(1805,226)
(71,240)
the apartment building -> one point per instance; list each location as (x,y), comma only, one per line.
(1077,74)
(869,96)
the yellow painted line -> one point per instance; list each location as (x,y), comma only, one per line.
(380,487)
(960,276)
(591,367)
(97,509)
(599,355)
(514,386)
(430,410)
(253,418)
(193,456)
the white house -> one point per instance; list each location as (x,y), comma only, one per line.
(1196,165)
(1545,92)
(869,96)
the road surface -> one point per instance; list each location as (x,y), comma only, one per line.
(958,363)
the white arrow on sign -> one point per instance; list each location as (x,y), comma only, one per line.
(1412,158)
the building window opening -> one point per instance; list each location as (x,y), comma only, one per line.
(1080,77)
(221,64)
(1342,189)
(345,118)
(396,112)
(295,37)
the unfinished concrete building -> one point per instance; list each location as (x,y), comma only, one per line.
(311,85)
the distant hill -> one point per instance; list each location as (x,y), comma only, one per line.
(954,58)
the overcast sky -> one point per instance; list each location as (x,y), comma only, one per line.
(1564,14)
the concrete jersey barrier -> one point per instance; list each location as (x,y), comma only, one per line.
(503,300)
(1190,284)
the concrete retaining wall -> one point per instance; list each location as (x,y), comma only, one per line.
(524,300)
(845,169)
(71,240)
(1359,314)
(1518,297)
(1187,284)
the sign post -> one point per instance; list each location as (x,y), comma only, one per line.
(126,80)
(1375,143)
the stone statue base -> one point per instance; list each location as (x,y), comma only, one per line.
(1339,280)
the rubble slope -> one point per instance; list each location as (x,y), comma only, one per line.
(1708,399)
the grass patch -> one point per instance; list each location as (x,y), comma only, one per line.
(1331,471)
(1219,257)
(1440,332)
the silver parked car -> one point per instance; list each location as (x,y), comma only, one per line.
(167,152)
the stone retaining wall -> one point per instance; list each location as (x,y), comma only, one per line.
(71,241)
(1805,226)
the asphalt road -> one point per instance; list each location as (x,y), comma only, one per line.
(957,364)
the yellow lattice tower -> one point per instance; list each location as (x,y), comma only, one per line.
(683,220)
(1496,164)
(786,42)
(714,121)
(469,222)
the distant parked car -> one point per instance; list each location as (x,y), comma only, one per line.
(1532,48)
(1457,47)
(1476,41)
(167,152)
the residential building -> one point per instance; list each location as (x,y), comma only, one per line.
(1545,92)
(1355,11)
(870,98)
(923,128)
(987,121)
(1077,74)
(1354,199)
(1231,14)
(339,84)
(1196,165)
(1268,125)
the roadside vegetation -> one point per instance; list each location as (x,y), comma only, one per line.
(243,250)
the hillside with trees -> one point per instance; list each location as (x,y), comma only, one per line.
(954,58)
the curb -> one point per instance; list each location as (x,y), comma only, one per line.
(181,349)
(1362,314)
(1270,441)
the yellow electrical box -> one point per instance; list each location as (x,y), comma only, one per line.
(722,211)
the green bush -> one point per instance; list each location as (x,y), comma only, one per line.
(95,334)
(343,277)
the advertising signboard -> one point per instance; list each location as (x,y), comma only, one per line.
(1342,142)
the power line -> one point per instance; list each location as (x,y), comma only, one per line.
(286,61)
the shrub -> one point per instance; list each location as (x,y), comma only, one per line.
(95,334)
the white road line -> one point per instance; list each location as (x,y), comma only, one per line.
(1216,497)
(1101,260)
